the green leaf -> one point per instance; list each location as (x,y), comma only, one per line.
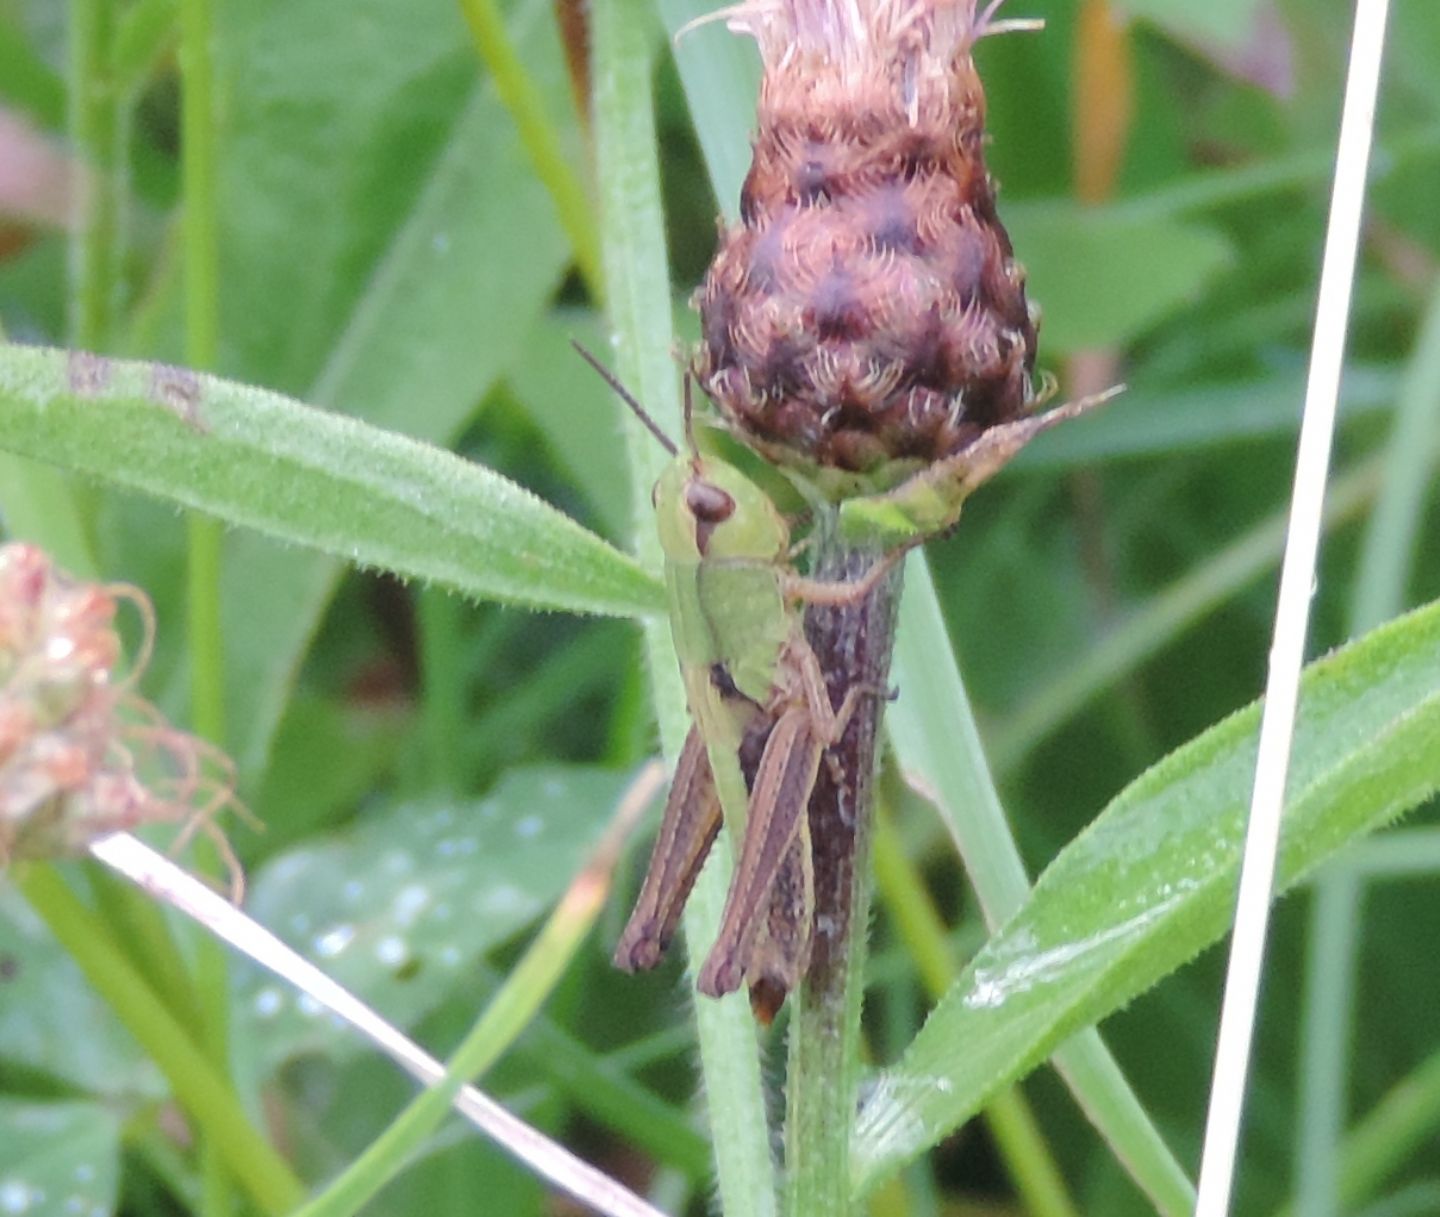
(370,261)
(58,1159)
(1152,881)
(1102,279)
(257,459)
(1227,21)
(400,907)
(721,75)
(52,1022)
(367,257)
(937,742)
(576,411)
(1149,421)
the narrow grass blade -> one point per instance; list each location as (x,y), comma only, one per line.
(638,302)
(1292,613)
(1156,622)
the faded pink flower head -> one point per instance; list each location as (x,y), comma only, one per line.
(81,754)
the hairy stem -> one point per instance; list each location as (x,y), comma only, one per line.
(853,643)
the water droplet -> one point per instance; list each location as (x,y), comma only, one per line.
(529,827)
(333,941)
(16,1197)
(391,951)
(269,1002)
(502,899)
(409,902)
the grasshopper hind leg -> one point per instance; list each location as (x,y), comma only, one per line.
(782,949)
(779,804)
(687,831)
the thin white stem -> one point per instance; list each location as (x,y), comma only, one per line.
(166,881)
(1297,576)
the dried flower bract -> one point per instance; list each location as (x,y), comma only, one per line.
(867,314)
(82,755)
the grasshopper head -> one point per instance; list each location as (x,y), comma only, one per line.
(710,510)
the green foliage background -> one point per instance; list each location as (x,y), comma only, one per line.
(433,771)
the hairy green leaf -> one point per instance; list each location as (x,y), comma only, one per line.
(264,461)
(1152,881)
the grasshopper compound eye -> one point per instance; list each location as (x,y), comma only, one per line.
(708,503)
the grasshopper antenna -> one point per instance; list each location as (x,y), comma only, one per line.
(628,398)
(689,408)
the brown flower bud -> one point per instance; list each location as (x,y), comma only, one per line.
(867,313)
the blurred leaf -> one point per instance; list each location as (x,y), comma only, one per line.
(27,81)
(1151,421)
(1102,279)
(401,906)
(58,1159)
(326,758)
(373,259)
(1227,21)
(311,477)
(51,1021)
(365,259)
(1151,882)
(721,74)
(576,410)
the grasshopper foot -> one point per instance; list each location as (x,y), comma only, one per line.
(721,974)
(640,948)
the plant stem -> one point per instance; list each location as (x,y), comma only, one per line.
(638,303)
(97,131)
(853,643)
(202,322)
(539,137)
(205,536)
(205,1094)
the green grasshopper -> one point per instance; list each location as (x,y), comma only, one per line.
(762,722)
(761,713)
(929,502)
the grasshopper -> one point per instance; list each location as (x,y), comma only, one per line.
(762,722)
(761,713)
(929,501)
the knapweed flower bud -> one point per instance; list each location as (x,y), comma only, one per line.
(82,755)
(867,313)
